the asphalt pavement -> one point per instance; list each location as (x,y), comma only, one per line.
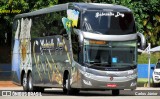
(139,93)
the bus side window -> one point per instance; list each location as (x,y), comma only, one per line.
(75,46)
(37,29)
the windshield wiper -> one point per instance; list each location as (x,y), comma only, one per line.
(89,64)
(97,63)
(94,31)
(104,63)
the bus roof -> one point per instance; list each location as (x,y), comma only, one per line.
(80,6)
(100,6)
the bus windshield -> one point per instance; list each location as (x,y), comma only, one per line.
(110,23)
(112,54)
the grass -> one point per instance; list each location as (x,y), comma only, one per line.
(143,58)
(143,82)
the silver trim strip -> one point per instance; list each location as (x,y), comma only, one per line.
(89,35)
(81,38)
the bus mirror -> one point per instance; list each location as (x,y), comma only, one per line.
(141,41)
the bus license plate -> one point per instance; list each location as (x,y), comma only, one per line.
(111,85)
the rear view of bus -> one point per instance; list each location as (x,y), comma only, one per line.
(108,41)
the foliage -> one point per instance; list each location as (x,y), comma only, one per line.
(7,8)
(23,5)
(6,18)
(39,4)
(146,12)
(143,58)
(148,20)
(147,16)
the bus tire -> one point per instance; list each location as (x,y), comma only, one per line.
(32,88)
(24,82)
(115,92)
(153,84)
(66,86)
(64,90)
(30,82)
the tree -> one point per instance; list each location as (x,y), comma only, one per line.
(146,14)
(8,9)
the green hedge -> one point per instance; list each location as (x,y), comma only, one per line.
(147,16)
(143,58)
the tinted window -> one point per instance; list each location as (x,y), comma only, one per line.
(48,24)
(111,23)
(75,46)
(111,54)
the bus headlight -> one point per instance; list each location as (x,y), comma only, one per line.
(88,75)
(133,84)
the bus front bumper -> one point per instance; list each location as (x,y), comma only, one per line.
(107,83)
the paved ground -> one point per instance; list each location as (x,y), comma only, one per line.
(7,84)
(139,93)
(57,94)
(84,97)
(49,89)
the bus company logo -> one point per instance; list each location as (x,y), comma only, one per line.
(111,78)
(6,93)
(100,14)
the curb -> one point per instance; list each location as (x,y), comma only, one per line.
(7,84)
(5,72)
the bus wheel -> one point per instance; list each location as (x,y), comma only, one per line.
(31,87)
(29,82)
(115,92)
(153,84)
(66,85)
(24,84)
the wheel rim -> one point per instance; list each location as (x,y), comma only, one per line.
(24,82)
(66,84)
(30,82)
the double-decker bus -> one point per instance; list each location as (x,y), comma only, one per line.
(76,46)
